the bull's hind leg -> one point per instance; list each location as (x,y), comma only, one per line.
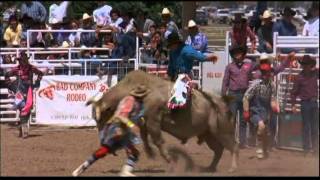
(217,148)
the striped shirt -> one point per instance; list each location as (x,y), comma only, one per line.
(36,11)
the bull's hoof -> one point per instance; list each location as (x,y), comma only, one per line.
(150,153)
(231,170)
(208,169)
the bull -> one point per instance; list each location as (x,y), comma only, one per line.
(206,116)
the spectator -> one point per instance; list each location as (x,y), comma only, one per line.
(311,27)
(255,21)
(87,38)
(116,20)
(13,33)
(171,25)
(101,15)
(240,33)
(58,12)
(35,10)
(196,39)
(285,27)
(74,37)
(153,51)
(265,35)
(127,35)
(235,83)
(143,22)
(306,88)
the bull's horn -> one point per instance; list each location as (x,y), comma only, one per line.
(95,98)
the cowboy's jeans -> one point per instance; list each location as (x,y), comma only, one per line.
(310,124)
(236,106)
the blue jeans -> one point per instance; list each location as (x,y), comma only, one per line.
(236,106)
(310,124)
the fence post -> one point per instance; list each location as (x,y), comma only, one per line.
(136,67)
(227,46)
(69,59)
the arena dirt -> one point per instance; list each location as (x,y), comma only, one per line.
(58,153)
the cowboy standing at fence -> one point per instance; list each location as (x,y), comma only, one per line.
(306,87)
(121,131)
(261,98)
(180,66)
(23,86)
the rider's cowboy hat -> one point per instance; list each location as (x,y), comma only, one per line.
(191,24)
(307,60)
(236,49)
(287,11)
(140,91)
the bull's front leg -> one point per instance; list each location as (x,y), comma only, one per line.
(153,125)
(147,147)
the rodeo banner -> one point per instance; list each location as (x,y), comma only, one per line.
(60,100)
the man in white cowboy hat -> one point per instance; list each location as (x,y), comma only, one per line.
(171,25)
(196,39)
(87,38)
(265,35)
(121,132)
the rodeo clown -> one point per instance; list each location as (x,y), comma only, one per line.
(22,87)
(121,131)
(180,68)
(262,97)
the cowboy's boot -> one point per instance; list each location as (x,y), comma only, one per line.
(262,145)
(126,171)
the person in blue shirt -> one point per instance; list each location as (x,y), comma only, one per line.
(285,27)
(198,40)
(182,56)
(181,61)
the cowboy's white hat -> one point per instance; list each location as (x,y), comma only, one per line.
(165,11)
(266,14)
(53,21)
(85,16)
(191,23)
(265,56)
(65,44)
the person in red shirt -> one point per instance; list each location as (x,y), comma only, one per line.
(240,33)
(121,131)
(23,87)
(306,88)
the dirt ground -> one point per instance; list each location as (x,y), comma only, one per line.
(58,153)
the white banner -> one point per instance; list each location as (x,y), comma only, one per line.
(60,100)
(212,74)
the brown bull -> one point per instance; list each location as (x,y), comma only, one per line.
(206,116)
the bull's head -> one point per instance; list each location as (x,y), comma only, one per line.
(104,105)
